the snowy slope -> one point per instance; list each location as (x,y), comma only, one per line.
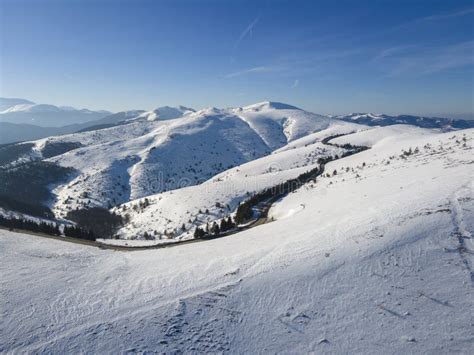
(167,212)
(377,263)
(279,123)
(156,156)
(391,135)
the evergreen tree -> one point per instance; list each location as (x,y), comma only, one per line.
(215,230)
(230,223)
(224,226)
(199,233)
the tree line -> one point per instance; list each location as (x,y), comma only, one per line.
(50,228)
(32,226)
(25,188)
(215,229)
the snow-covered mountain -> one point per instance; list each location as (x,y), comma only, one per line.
(201,161)
(372,119)
(22,120)
(44,115)
(168,212)
(146,157)
(151,152)
(375,258)
(279,124)
(7,103)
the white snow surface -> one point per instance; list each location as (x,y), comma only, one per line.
(375,260)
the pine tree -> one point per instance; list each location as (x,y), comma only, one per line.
(224,226)
(215,229)
(198,233)
(230,223)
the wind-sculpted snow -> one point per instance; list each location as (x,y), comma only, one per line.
(377,258)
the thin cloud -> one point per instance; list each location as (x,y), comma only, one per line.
(297,64)
(392,51)
(433,61)
(447,16)
(295,83)
(247,31)
(254,70)
(438,17)
(455,56)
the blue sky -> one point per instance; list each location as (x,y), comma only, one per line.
(324,56)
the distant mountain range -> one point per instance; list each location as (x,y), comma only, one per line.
(45,115)
(7,103)
(371,119)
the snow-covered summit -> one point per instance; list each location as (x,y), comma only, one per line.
(278,123)
(269,105)
(166,113)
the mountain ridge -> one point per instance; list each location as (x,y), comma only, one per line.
(375,119)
